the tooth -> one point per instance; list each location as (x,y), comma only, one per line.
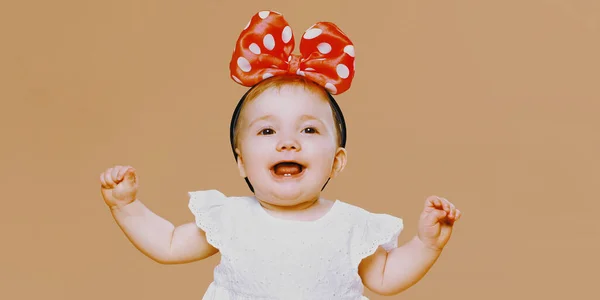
(287,175)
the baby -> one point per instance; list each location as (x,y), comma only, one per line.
(288,137)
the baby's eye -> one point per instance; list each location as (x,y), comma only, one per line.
(267,131)
(310,130)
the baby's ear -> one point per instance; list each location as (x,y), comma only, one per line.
(240,163)
(339,162)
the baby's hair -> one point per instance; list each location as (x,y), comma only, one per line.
(278,82)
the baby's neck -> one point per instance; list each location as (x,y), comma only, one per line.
(305,211)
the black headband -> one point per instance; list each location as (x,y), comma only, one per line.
(337,112)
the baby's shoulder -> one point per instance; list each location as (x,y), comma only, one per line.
(216,214)
(350,211)
(361,217)
(355,213)
(369,229)
(215,200)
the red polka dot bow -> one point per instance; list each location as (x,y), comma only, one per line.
(264,49)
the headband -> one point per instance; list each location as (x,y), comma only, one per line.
(264,49)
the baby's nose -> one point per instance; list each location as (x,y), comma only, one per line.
(288,144)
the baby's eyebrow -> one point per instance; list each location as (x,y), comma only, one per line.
(308,117)
(311,117)
(263,118)
(304,117)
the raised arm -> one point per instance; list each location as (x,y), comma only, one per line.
(151,234)
(391,273)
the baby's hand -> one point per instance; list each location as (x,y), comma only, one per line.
(119,186)
(436,222)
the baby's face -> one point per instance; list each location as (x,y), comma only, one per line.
(287,145)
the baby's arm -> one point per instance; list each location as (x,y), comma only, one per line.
(158,238)
(154,236)
(391,273)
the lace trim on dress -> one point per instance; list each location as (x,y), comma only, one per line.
(379,230)
(207,207)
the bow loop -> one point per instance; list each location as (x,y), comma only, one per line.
(265,46)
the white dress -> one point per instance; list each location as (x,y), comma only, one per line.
(264,257)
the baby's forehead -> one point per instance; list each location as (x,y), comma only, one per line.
(288,100)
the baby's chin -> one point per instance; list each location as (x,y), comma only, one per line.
(289,196)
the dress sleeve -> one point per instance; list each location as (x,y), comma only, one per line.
(208,208)
(377,230)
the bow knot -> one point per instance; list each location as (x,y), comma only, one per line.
(264,49)
(294,64)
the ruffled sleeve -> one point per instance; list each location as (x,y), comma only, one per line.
(376,230)
(208,208)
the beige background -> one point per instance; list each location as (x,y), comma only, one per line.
(491,104)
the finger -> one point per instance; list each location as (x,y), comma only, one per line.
(458,214)
(451,208)
(108,178)
(433,201)
(439,203)
(122,172)
(102,181)
(446,205)
(115,173)
(435,216)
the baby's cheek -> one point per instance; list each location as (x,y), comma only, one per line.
(255,152)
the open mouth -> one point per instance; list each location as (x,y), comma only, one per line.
(287,169)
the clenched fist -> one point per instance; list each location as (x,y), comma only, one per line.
(119,186)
